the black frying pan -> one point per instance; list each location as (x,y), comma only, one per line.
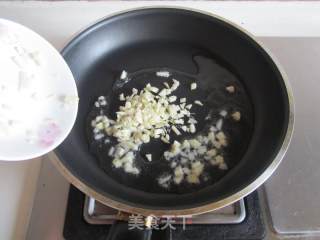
(172,38)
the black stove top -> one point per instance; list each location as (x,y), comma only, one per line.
(252,227)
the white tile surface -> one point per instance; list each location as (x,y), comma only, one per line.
(293,191)
(260,18)
(48,214)
(17,188)
(57,21)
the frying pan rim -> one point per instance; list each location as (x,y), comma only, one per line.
(206,207)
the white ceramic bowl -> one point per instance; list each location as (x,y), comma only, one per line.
(38,94)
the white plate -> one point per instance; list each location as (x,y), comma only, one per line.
(38,94)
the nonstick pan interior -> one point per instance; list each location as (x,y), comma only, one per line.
(151,38)
(212,77)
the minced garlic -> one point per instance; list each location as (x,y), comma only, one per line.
(188,158)
(198,103)
(230,89)
(193,86)
(146,114)
(149,157)
(236,116)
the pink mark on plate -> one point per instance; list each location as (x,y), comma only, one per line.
(48,134)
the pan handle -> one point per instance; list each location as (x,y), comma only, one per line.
(120,231)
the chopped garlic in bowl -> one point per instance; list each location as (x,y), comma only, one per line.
(38,95)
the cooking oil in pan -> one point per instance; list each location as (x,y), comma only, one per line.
(213,79)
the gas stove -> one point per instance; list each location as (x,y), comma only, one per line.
(97,213)
(87,218)
(289,200)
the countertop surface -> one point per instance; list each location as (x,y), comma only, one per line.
(291,30)
(293,191)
